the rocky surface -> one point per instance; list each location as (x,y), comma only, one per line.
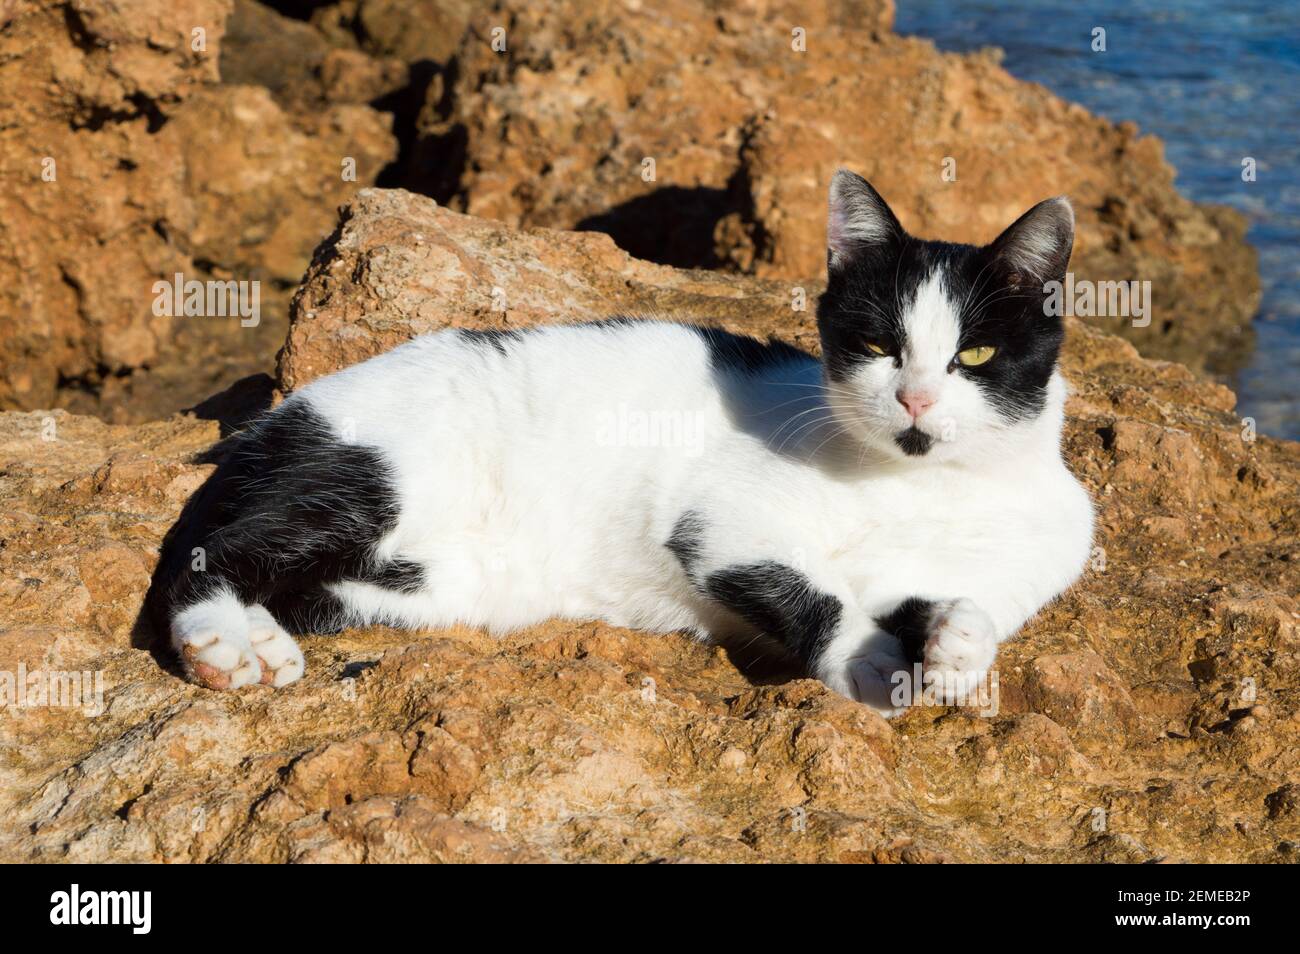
(1150,714)
(124,160)
(745,130)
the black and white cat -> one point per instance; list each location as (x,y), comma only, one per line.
(904,500)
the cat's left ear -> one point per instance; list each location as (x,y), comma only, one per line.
(1037,245)
(859,222)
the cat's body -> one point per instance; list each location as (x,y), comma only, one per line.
(658,476)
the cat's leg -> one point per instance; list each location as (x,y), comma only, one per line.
(866,662)
(290,512)
(956,636)
(224,636)
(792,595)
(960,649)
(883,657)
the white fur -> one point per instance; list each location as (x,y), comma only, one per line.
(962,644)
(277,652)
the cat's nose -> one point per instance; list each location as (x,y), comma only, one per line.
(916,402)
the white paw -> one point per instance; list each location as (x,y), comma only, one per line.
(878,676)
(959,650)
(282,661)
(212,641)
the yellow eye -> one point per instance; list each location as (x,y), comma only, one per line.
(976,356)
(875,348)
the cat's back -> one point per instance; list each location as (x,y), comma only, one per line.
(632,374)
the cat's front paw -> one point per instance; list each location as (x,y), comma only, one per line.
(961,646)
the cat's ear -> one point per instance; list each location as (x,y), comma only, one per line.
(860,221)
(1036,247)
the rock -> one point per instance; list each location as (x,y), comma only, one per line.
(124,161)
(413,31)
(1147,707)
(1283,802)
(744,127)
(263,48)
(401,265)
(301,64)
(1078,691)
(424,29)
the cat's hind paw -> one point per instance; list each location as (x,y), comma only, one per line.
(211,638)
(960,648)
(281,660)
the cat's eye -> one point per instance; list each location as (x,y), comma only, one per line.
(973,357)
(875,347)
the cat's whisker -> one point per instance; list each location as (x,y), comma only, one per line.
(879,312)
(773,408)
(837,433)
(797,384)
(977,313)
(793,418)
(995,297)
(804,427)
(898,308)
(975,286)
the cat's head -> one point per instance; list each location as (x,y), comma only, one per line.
(936,351)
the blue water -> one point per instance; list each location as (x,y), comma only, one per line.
(1216,81)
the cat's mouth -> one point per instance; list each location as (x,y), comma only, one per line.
(913,441)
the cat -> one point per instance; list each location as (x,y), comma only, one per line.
(902,500)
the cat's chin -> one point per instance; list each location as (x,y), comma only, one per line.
(911,446)
(914,442)
(915,447)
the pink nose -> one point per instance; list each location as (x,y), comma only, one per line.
(916,402)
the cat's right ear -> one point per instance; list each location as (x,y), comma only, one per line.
(1038,244)
(860,221)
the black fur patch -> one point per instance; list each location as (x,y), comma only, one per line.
(497,338)
(781,602)
(401,575)
(290,509)
(740,353)
(866,299)
(914,442)
(909,622)
(727,351)
(686,540)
